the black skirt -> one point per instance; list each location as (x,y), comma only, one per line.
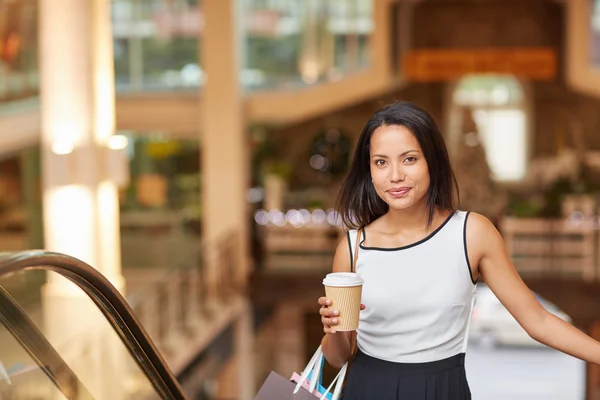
(370,378)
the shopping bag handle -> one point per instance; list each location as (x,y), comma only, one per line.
(339,378)
(314,365)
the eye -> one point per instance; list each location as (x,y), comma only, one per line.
(410,159)
(380,163)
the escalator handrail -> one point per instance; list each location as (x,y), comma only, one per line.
(112,305)
(33,341)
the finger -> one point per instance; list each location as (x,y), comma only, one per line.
(327,312)
(330,322)
(324,301)
(362,306)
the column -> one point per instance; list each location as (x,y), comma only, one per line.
(290,356)
(225,162)
(79,172)
(225,166)
(237,377)
(244,348)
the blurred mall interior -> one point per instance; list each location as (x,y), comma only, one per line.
(190,151)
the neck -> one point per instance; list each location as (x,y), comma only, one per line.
(413,218)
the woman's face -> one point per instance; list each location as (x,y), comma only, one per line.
(398,167)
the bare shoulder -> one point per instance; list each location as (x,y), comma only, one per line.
(342,260)
(482,237)
(478,223)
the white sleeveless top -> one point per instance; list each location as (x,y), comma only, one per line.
(419,298)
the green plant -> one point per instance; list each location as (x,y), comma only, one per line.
(524,207)
(283,169)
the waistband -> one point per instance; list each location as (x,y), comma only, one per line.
(445,364)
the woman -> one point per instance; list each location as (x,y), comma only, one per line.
(420,260)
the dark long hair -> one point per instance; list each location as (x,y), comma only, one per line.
(359,204)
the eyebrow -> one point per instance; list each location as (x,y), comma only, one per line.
(401,155)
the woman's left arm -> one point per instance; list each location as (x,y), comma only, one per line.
(487,250)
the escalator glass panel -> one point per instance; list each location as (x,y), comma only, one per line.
(20,376)
(81,336)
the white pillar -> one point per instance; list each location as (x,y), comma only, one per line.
(225,166)
(81,213)
(78,116)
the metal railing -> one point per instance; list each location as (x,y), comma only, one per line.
(174,305)
(112,305)
(33,341)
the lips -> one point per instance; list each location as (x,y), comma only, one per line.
(399,192)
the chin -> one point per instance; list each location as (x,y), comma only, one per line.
(405,203)
(397,207)
(400,204)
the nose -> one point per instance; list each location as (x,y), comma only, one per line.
(397,174)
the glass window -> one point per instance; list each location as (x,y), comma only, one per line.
(351,25)
(290,43)
(496,105)
(156,44)
(503,134)
(18,49)
(595,33)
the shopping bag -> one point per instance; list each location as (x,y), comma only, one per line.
(313,373)
(305,383)
(276,387)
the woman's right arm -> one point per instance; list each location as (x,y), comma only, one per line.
(336,345)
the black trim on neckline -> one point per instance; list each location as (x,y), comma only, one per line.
(408,246)
(350,248)
(466,252)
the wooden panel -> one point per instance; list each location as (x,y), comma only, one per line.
(551,247)
(582,76)
(306,249)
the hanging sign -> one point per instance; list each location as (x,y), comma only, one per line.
(432,65)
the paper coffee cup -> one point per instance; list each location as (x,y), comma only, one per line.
(344,289)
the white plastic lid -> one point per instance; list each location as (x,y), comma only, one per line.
(343,279)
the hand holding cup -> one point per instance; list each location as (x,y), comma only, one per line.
(341,306)
(329,316)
